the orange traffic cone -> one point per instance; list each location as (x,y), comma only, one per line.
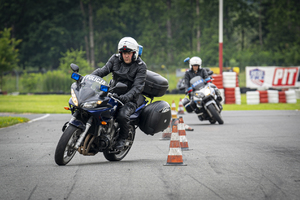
(174,122)
(173,110)
(166,135)
(167,132)
(182,135)
(175,153)
(180,107)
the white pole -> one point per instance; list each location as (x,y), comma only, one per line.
(221,36)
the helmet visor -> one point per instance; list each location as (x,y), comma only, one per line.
(125,49)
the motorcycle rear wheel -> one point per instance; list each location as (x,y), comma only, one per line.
(112,156)
(215,114)
(65,150)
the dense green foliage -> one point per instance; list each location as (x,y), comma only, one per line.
(256,32)
(8,52)
(59,32)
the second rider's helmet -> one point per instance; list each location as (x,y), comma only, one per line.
(195,61)
(128,44)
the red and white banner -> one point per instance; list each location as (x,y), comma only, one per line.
(272,77)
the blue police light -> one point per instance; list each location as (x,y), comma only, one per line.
(187,59)
(140,50)
(208,79)
(104,88)
(75,76)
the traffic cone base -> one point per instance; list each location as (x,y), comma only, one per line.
(188,128)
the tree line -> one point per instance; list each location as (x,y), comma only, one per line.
(256,32)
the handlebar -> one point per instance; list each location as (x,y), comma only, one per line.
(114,98)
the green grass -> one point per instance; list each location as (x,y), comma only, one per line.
(9,121)
(34,103)
(56,103)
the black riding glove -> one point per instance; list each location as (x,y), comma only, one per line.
(115,95)
(124,99)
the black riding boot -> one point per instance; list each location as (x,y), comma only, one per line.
(123,119)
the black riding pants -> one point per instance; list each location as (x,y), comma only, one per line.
(123,118)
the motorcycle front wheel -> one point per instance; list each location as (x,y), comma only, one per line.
(215,113)
(65,150)
(119,155)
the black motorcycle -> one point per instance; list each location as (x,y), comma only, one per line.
(93,127)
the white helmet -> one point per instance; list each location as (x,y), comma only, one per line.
(195,61)
(128,44)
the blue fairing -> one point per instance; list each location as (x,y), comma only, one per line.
(94,89)
(77,123)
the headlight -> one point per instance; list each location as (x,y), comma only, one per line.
(91,104)
(74,98)
(207,91)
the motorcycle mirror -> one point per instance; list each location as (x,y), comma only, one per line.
(74,67)
(119,88)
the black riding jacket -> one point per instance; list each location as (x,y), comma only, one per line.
(191,74)
(133,75)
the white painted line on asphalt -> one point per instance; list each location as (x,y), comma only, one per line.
(36,119)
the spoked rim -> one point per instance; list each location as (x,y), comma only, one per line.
(70,150)
(128,144)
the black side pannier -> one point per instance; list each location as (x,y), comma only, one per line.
(155,85)
(189,105)
(155,117)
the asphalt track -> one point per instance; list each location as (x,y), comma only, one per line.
(254,155)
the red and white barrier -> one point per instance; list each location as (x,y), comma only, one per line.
(281,97)
(218,80)
(232,91)
(229,79)
(263,96)
(290,96)
(252,97)
(238,96)
(271,96)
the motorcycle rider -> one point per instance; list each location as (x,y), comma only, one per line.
(126,67)
(196,70)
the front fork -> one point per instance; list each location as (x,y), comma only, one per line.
(77,123)
(82,135)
